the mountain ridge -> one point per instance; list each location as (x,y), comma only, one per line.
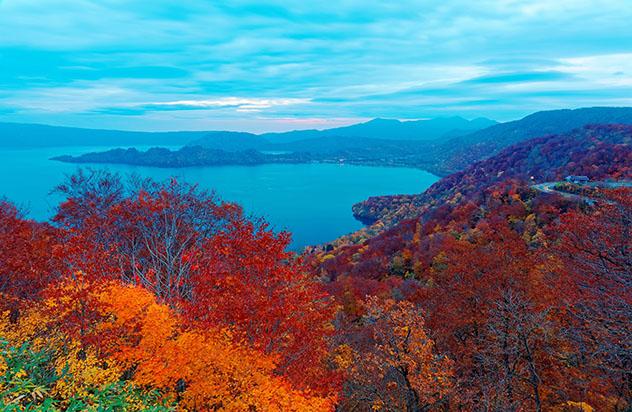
(31,135)
(44,135)
(457,153)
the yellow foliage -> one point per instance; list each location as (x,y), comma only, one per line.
(571,406)
(401,359)
(327,257)
(343,357)
(204,369)
(79,370)
(83,370)
(30,327)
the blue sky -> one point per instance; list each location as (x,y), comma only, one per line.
(278,65)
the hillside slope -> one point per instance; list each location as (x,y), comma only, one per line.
(459,152)
(596,151)
(510,279)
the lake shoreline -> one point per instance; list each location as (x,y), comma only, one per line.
(311,200)
(198,156)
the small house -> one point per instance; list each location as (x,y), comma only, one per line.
(577,179)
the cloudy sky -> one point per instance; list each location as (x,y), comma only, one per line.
(278,65)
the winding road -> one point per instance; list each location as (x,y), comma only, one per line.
(549,187)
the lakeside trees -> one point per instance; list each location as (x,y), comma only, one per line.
(528,296)
(169,284)
(148,295)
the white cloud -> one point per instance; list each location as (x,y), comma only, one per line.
(600,70)
(241,104)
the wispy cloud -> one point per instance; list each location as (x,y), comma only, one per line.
(614,70)
(240,104)
(172,65)
(520,77)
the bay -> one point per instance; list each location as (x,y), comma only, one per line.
(312,201)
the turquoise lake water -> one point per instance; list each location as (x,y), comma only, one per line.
(312,201)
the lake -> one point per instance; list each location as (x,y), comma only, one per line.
(312,201)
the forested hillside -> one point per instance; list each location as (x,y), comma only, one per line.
(489,295)
(458,153)
(527,293)
(595,151)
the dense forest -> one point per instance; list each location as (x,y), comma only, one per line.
(142,294)
(486,295)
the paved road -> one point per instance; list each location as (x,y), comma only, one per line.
(549,187)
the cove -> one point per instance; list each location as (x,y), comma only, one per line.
(312,201)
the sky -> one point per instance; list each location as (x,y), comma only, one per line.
(280,65)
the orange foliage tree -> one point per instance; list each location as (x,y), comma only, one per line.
(131,336)
(202,368)
(207,259)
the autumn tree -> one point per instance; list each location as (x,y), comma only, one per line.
(513,350)
(27,257)
(142,231)
(249,282)
(396,367)
(595,251)
(133,338)
(206,258)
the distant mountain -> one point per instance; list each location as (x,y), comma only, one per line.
(351,146)
(378,142)
(329,140)
(453,152)
(441,146)
(231,141)
(459,152)
(439,156)
(390,129)
(37,135)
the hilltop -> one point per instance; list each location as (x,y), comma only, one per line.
(457,153)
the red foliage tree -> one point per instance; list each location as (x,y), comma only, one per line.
(595,251)
(206,258)
(27,257)
(248,281)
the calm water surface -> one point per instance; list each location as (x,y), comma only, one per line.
(313,201)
